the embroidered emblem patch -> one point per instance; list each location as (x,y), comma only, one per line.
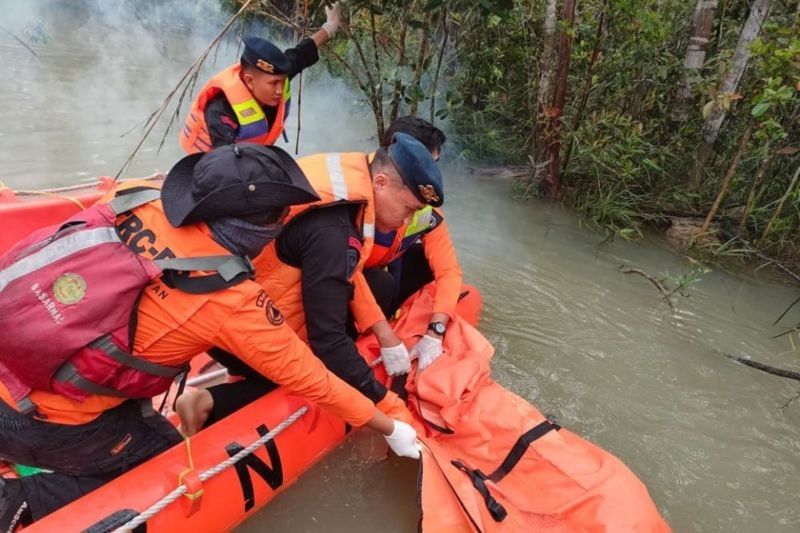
(69,288)
(274,314)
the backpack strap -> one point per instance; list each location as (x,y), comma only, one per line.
(124,201)
(227,266)
(230,271)
(68,373)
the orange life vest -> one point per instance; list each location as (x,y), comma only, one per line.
(253,124)
(493,462)
(338,179)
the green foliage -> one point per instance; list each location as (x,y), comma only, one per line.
(680,283)
(628,154)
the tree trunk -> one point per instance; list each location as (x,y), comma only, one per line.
(702,24)
(725,182)
(583,98)
(547,67)
(559,97)
(758,14)
(394,108)
(445,36)
(419,67)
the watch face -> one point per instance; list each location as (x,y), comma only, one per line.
(438,328)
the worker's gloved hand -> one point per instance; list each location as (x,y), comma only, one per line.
(403,440)
(396,359)
(334,18)
(428,350)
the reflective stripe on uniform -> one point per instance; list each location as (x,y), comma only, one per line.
(248,112)
(336,175)
(420,222)
(57,250)
(369,231)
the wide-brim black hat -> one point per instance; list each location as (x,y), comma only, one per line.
(233,181)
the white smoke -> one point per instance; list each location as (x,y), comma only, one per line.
(104,65)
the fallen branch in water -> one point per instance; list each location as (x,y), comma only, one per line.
(658,285)
(20,41)
(789,374)
(789,401)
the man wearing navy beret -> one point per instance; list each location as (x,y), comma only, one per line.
(313,268)
(249,101)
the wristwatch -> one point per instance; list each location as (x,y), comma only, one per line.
(438,327)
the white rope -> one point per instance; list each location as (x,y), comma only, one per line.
(87,185)
(208,474)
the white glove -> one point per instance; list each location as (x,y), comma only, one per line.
(396,359)
(403,440)
(334,16)
(428,350)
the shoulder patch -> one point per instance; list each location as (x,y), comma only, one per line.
(352,262)
(274,314)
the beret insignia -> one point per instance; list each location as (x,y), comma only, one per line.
(428,193)
(265,66)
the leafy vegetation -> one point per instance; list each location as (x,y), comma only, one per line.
(670,108)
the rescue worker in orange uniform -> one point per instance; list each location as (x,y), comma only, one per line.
(232,200)
(249,101)
(316,264)
(405,259)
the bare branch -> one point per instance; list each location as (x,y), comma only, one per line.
(658,285)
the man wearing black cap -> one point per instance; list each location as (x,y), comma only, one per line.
(229,201)
(249,102)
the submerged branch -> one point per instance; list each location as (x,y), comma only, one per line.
(789,401)
(658,285)
(789,374)
(20,41)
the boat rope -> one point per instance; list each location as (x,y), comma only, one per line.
(69,188)
(161,504)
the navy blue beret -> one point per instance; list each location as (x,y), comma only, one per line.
(417,168)
(265,56)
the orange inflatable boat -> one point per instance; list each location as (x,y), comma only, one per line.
(471,428)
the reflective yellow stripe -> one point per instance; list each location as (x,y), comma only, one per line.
(287,90)
(248,112)
(420,222)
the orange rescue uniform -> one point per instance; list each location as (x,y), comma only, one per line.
(173,326)
(429,227)
(338,179)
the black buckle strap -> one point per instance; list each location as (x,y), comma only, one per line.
(107,346)
(520,447)
(478,479)
(514,456)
